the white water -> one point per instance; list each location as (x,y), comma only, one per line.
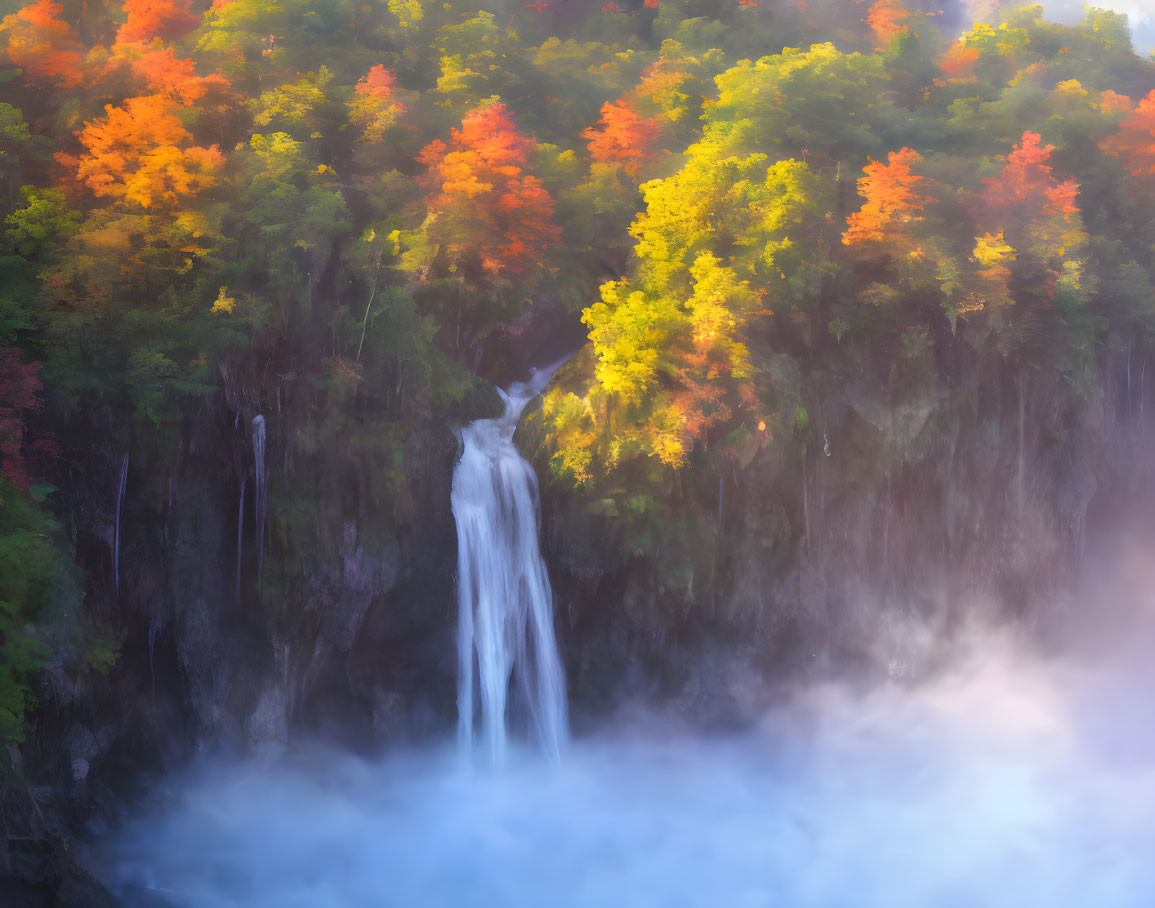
(261,492)
(505,604)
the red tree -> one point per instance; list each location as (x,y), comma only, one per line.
(1027,184)
(886,18)
(484,210)
(622,136)
(1110,101)
(148,19)
(43,45)
(163,72)
(891,199)
(1134,143)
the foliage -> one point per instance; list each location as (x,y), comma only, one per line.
(890,200)
(486,217)
(761,216)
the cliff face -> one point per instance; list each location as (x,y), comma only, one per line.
(865,553)
(346,632)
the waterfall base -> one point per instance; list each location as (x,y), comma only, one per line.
(982,788)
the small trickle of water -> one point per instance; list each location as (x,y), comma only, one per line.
(261,492)
(154,627)
(505,604)
(120,487)
(240,537)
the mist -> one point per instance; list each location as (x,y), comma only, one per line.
(1139,14)
(1018,774)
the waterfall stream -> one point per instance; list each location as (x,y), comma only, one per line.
(505,605)
(121,484)
(260,492)
(240,539)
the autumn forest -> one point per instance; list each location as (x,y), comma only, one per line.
(840,288)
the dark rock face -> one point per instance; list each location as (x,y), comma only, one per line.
(45,876)
(348,633)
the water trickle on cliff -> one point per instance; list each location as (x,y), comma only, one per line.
(240,537)
(505,604)
(261,492)
(120,487)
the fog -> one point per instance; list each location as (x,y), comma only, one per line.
(1140,13)
(1019,776)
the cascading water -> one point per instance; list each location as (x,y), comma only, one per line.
(261,492)
(505,604)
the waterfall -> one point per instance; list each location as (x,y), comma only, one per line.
(505,605)
(261,492)
(120,486)
(240,537)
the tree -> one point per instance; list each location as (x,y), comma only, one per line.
(1036,212)
(887,20)
(673,90)
(375,107)
(891,200)
(164,73)
(18,147)
(486,217)
(44,45)
(622,137)
(140,153)
(1035,230)
(294,205)
(812,101)
(1134,143)
(477,59)
(169,20)
(1026,181)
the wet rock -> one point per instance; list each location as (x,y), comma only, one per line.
(267,729)
(80,889)
(364,575)
(43,875)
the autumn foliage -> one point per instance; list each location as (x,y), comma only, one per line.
(375,106)
(148,19)
(622,136)
(891,200)
(163,72)
(140,152)
(1112,101)
(959,61)
(488,214)
(44,45)
(1134,144)
(1027,183)
(886,19)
